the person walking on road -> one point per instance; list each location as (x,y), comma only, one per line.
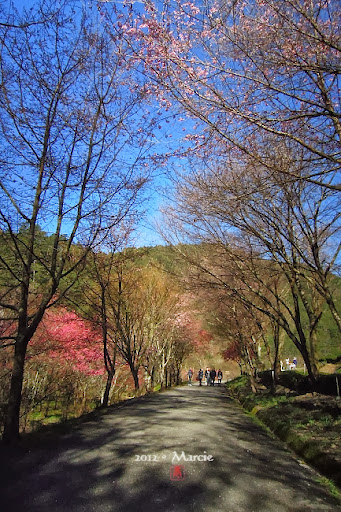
(219,376)
(207,377)
(190,375)
(200,376)
(213,375)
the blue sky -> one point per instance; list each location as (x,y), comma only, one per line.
(167,137)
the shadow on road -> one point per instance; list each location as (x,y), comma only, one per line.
(123,459)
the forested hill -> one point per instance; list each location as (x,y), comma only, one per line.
(194,266)
(137,319)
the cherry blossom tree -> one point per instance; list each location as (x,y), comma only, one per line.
(65,337)
(75,136)
(242,346)
(252,73)
(64,368)
(279,240)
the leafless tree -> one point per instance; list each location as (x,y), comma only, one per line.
(100,296)
(72,162)
(266,228)
(144,324)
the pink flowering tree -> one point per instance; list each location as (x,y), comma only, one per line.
(262,78)
(63,336)
(252,73)
(75,136)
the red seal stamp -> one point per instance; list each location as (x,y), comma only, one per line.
(177,472)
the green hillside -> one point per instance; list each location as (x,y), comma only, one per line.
(328,343)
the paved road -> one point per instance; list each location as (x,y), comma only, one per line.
(136,457)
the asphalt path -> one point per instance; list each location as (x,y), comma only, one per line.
(186,449)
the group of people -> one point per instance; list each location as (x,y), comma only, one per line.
(210,375)
(288,364)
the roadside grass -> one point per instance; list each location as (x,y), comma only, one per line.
(334,491)
(53,411)
(309,424)
(50,412)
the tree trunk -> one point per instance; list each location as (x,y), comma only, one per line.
(334,312)
(135,375)
(178,373)
(252,382)
(276,363)
(110,377)
(11,425)
(312,355)
(152,378)
(311,367)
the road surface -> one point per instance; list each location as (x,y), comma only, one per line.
(186,449)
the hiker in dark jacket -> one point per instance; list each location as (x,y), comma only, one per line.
(213,375)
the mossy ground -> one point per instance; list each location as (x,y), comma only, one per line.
(310,424)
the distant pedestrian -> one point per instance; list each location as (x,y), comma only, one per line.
(207,377)
(294,362)
(219,376)
(200,376)
(213,375)
(190,375)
